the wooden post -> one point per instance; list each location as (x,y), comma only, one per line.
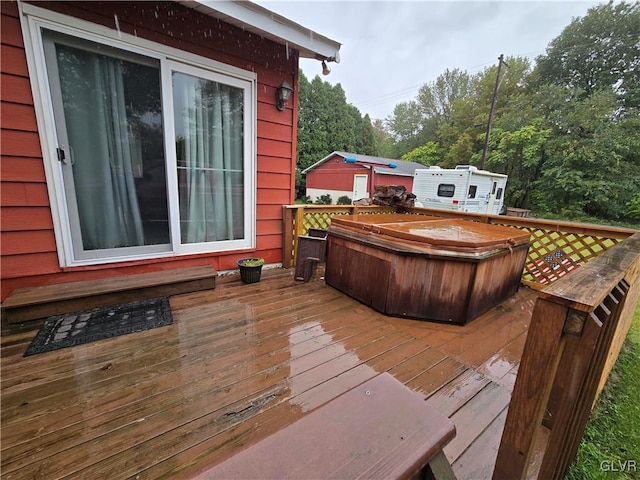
(571,431)
(298,230)
(571,376)
(287,236)
(540,359)
(589,336)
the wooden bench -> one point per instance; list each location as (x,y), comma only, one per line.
(25,304)
(380,429)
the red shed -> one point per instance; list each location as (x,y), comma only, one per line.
(141,136)
(353,175)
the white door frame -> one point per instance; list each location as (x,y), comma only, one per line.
(358,188)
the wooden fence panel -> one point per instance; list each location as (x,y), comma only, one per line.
(592,307)
(542,350)
(557,248)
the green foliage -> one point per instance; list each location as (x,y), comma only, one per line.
(343,200)
(566,130)
(598,52)
(586,167)
(327,123)
(251,262)
(429,154)
(323,200)
(519,154)
(633,207)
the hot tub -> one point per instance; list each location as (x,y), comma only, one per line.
(445,270)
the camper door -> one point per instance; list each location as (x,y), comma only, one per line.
(491,199)
(495,196)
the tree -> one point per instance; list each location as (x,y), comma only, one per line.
(436,99)
(327,123)
(383,139)
(404,123)
(521,155)
(598,51)
(429,154)
(588,169)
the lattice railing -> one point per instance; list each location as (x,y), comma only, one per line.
(557,248)
(554,254)
(300,218)
(575,334)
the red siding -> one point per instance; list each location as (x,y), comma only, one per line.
(38,241)
(335,174)
(394,180)
(23,219)
(21,169)
(21,117)
(273,164)
(28,249)
(15,89)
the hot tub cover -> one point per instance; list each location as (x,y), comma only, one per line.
(448,234)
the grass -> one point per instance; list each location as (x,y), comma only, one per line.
(612,436)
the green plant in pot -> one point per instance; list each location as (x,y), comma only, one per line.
(250,269)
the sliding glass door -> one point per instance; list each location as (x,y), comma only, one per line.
(153,152)
(209,149)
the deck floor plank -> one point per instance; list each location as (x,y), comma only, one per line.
(478,459)
(239,363)
(170,404)
(455,394)
(475,416)
(198,333)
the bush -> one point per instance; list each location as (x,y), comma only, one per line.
(343,200)
(633,207)
(323,200)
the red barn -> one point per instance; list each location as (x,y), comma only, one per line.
(354,176)
(140,136)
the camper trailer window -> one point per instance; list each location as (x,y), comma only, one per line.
(499,194)
(446,190)
(493,188)
(472,191)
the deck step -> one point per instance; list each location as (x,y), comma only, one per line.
(32,303)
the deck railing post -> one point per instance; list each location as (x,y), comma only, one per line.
(598,316)
(287,235)
(298,229)
(542,352)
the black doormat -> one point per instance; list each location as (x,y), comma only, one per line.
(73,329)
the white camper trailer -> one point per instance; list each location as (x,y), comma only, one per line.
(464,189)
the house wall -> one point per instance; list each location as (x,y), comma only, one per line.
(28,250)
(406,182)
(335,177)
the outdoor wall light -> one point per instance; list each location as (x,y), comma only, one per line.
(283,92)
(325,69)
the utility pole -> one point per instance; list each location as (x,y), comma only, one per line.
(491,110)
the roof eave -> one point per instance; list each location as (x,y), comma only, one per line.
(319,162)
(392,172)
(261,21)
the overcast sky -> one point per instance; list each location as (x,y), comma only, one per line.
(391,48)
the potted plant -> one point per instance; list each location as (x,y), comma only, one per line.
(250,269)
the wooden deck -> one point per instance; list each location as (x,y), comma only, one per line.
(241,362)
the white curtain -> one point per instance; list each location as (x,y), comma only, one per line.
(209,129)
(103,149)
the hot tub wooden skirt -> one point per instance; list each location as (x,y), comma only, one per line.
(404,279)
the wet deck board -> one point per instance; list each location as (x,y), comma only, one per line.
(238,363)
